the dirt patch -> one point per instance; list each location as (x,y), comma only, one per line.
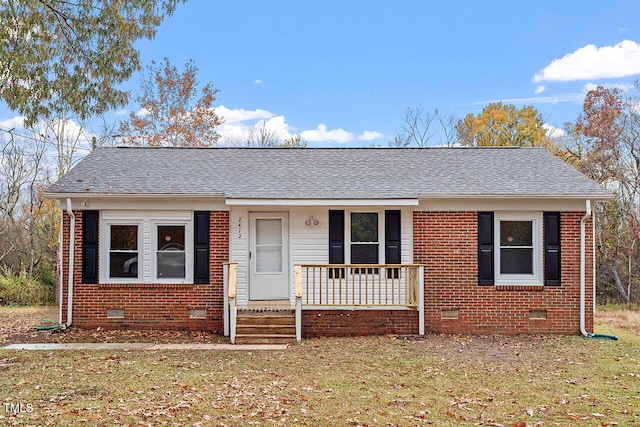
(481,348)
(18,325)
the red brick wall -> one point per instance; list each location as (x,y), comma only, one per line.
(446,243)
(149,306)
(334,323)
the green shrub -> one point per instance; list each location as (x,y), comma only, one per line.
(48,282)
(19,290)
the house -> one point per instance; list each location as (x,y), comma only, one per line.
(349,241)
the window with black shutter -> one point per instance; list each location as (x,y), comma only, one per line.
(201,244)
(392,242)
(485,248)
(336,242)
(90,247)
(552,248)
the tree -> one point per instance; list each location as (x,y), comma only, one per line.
(261,135)
(72,56)
(27,225)
(607,149)
(399,141)
(170,115)
(417,125)
(503,125)
(295,141)
(420,127)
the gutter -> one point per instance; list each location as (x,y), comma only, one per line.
(72,238)
(583,284)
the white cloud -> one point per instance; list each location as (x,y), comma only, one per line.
(240,125)
(370,135)
(277,126)
(16,122)
(321,134)
(553,131)
(142,112)
(539,90)
(589,87)
(591,62)
(241,115)
(257,81)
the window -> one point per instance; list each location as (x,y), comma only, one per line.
(364,241)
(171,254)
(269,245)
(519,252)
(364,238)
(147,247)
(516,247)
(123,251)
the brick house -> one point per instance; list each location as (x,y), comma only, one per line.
(347,241)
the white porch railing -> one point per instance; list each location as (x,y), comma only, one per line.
(346,285)
(361,284)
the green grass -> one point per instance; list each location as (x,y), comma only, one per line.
(375,381)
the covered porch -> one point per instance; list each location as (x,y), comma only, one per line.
(371,288)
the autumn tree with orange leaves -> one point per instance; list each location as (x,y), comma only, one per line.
(171,113)
(503,125)
(606,147)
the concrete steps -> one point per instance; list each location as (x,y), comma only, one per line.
(265,327)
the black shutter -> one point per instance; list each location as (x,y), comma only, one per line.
(336,242)
(485,248)
(392,241)
(552,248)
(90,247)
(201,250)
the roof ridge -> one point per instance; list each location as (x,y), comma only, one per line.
(138,147)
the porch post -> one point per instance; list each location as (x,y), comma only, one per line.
(298,286)
(233,309)
(225,297)
(421,300)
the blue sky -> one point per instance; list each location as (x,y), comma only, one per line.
(340,73)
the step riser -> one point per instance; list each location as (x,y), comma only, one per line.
(265,328)
(257,320)
(255,340)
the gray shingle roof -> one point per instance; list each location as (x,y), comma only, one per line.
(318,173)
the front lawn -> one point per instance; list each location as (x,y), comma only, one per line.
(375,381)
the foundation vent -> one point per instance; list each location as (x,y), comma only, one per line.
(115,313)
(451,314)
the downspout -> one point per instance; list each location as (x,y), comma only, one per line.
(60,268)
(583,284)
(72,238)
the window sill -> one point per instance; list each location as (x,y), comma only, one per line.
(146,285)
(519,288)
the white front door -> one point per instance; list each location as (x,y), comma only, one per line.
(268,256)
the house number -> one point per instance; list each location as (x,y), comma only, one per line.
(239,227)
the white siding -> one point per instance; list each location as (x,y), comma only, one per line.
(406,236)
(308,244)
(239,250)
